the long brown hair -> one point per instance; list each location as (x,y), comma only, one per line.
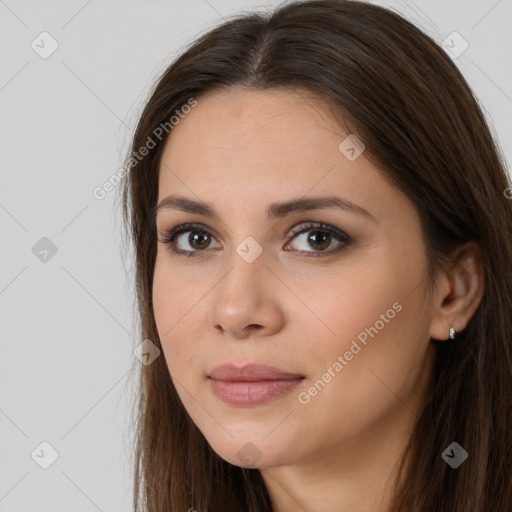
(402,95)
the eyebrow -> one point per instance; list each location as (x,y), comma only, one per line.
(274,211)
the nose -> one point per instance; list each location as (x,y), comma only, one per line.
(246,301)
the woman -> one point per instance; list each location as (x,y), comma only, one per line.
(322,234)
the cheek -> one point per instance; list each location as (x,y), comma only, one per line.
(371,311)
(173,295)
(346,301)
(173,306)
(165,303)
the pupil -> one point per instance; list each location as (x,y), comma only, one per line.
(193,240)
(317,236)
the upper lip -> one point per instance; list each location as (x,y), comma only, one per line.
(250,373)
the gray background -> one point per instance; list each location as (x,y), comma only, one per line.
(65,124)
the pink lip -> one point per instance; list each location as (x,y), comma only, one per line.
(251,384)
(250,373)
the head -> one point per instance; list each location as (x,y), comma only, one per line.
(355,294)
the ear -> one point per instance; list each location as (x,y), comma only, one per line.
(459,292)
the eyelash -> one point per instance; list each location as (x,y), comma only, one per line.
(168,237)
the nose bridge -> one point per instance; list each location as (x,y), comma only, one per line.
(242,282)
(247,259)
(243,298)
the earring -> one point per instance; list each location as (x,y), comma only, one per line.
(453,332)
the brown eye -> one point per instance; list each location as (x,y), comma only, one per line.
(321,238)
(188,239)
(199,240)
(314,239)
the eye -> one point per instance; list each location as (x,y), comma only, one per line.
(319,237)
(196,242)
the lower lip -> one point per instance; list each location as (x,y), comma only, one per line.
(251,393)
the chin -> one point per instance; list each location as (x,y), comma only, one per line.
(249,454)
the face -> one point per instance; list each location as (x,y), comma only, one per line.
(333,293)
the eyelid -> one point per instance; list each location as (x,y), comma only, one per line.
(321,226)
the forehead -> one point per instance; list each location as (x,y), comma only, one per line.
(246,148)
(246,128)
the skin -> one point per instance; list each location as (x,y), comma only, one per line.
(240,151)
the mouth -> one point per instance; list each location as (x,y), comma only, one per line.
(251,384)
